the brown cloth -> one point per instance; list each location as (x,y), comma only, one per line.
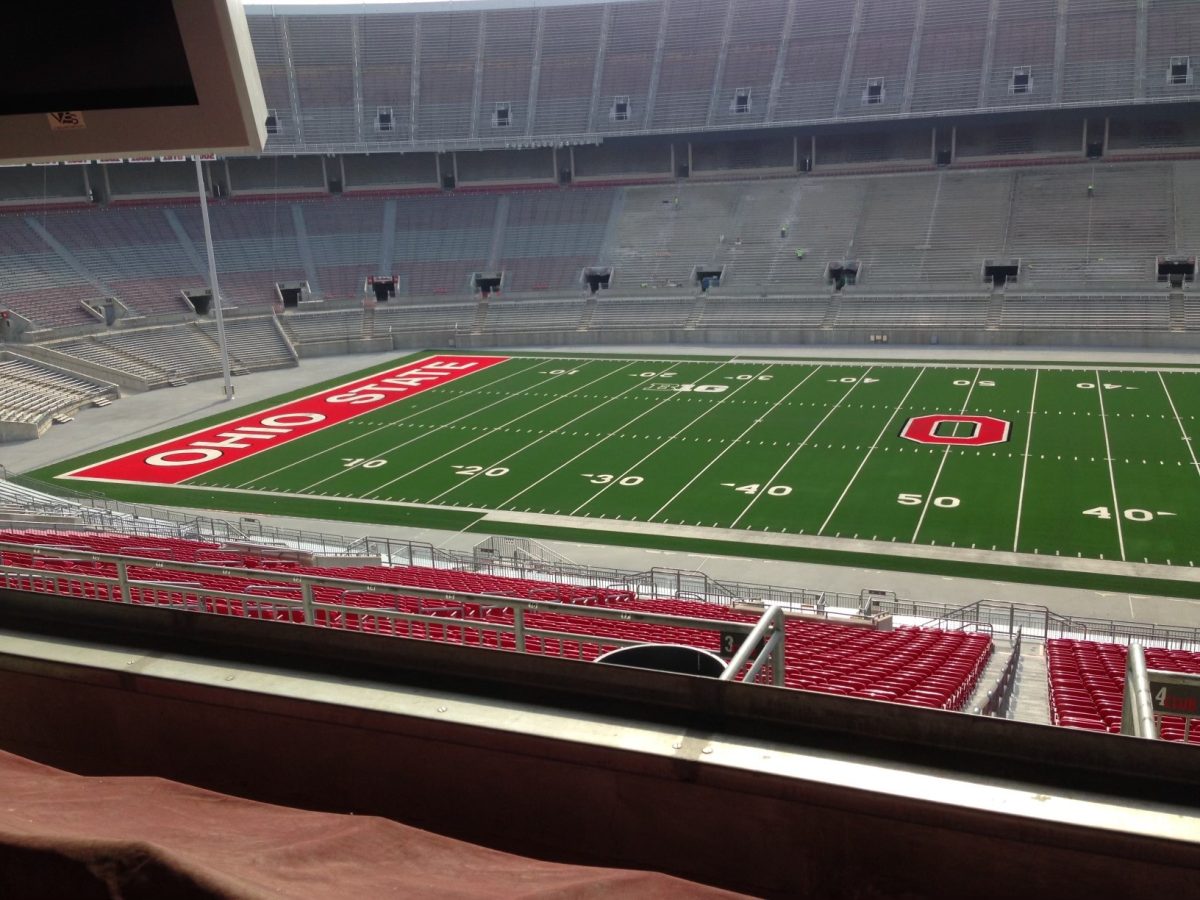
(68,836)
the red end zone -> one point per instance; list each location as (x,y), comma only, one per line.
(200,452)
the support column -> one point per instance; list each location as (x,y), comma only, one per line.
(477,92)
(1060,51)
(293,91)
(989,53)
(535,74)
(356,74)
(652,92)
(212,282)
(781,60)
(414,83)
(1139,52)
(848,59)
(598,69)
(914,58)
(714,98)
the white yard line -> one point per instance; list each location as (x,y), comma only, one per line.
(886,427)
(771,481)
(660,446)
(588,449)
(736,440)
(1025,462)
(366,434)
(431,431)
(638,385)
(1186,437)
(1112,478)
(492,431)
(945,456)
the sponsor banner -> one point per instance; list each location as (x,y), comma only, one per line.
(201,452)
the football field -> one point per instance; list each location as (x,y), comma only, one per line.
(1074,462)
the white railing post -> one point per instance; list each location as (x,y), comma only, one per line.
(123,581)
(519,627)
(766,626)
(306,598)
(1137,711)
(777,657)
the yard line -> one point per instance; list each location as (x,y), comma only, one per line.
(945,456)
(736,440)
(590,447)
(668,440)
(425,434)
(1186,437)
(1025,463)
(886,426)
(491,431)
(800,446)
(587,412)
(1112,478)
(359,437)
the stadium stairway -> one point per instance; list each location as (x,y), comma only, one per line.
(1031,694)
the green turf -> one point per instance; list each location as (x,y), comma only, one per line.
(772,448)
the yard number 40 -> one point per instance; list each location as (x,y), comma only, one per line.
(1133,515)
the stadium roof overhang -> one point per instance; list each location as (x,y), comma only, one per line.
(359,7)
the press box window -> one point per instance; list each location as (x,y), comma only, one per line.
(1180,71)
(874,92)
(1022,80)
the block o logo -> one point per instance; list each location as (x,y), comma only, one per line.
(956,431)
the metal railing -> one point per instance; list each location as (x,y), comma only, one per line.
(448,616)
(1002,619)
(996,702)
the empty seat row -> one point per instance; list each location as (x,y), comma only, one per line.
(908,665)
(1087,685)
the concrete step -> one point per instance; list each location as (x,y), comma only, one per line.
(1031,692)
(991,672)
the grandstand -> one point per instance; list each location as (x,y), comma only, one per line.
(794,197)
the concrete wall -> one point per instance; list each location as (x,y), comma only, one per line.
(1139,340)
(23,431)
(64,363)
(263,722)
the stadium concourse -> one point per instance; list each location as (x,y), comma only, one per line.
(838,356)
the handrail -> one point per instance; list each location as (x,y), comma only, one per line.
(455,629)
(348,586)
(996,702)
(1001,618)
(957,614)
(1137,709)
(770,623)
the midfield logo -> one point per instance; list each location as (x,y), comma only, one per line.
(956,430)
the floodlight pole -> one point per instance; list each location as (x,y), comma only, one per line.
(212,281)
